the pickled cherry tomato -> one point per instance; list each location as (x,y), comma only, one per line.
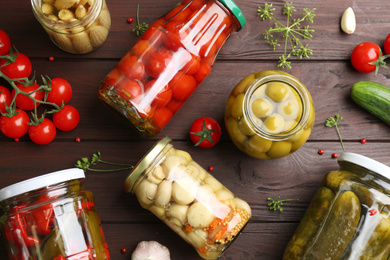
(162,116)
(132,68)
(192,66)
(143,48)
(153,35)
(158,62)
(128,88)
(163,94)
(183,86)
(195,4)
(178,14)
(174,105)
(203,72)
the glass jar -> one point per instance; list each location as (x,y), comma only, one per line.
(168,62)
(75,26)
(52,217)
(348,217)
(171,185)
(269,114)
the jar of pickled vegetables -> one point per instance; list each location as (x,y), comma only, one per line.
(52,217)
(168,62)
(75,26)
(348,218)
(171,185)
(269,114)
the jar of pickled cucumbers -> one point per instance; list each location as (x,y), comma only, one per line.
(269,114)
(348,218)
(75,26)
(168,62)
(171,185)
(52,217)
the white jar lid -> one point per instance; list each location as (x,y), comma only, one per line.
(40,182)
(365,162)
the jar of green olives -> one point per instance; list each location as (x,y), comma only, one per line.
(348,217)
(269,114)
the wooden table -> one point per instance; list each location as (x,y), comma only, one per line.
(328,75)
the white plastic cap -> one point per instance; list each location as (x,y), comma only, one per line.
(365,162)
(40,182)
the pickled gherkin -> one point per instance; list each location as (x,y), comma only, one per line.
(338,230)
(333,179)
(310,224)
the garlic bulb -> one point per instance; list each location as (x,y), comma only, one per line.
(348,21)
(150,250)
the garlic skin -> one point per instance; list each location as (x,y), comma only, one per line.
(151,250)
(348,21)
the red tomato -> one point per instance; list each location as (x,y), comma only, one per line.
(192,66)
(195,4)
(178,14)
(5,43)
(21,68)
(67,118)
(25,102)
(203,72)
(43,133)
(111,79)
(367,57)
(154,33)
(174,105)
(158,62)
(162,116)
(205,132)
(163,94)
(174,38)
(128,88)
(60,92)
(5,98)
(387,44)
(143,48)
(132,68)
(16,126)
(183,86)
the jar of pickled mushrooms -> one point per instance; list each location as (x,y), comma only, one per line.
(75,26)
(176,189)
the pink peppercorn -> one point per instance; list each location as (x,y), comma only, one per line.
(123,250)
(334,155)
(363,140)
(320,152)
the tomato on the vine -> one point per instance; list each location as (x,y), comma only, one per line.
(67,118)
(21,68)
(205,132)
(43,133)
(61,91)
(5,43)
(15,126)
(5,98)
(367,57)
(25,102)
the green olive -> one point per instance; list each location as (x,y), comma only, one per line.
(274,123)
(305,135)
(259,92)
(261,107)
(256,154)
(259,144)
(277,91)
(289,109)
(297,136)
(234,131)
(229,104)
(242,86)
(310,121)
(237,106)
(289,126)
(244,128)
(279,149)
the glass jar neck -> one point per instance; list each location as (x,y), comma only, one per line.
(300,91)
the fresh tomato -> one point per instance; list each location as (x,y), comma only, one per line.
(205,132)
(43,133)
(132,68)
(25,102)
(128,89)
(67,118)
(61,91)
(5,98)
(367,57)
(162,116)
(16,126)
(387,44)
(21,68)
(183,86)
(5,43)
(158,62)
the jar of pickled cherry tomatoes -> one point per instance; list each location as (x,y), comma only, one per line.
(168,62)
(176,189)
(75,26)
(51,217)
(269,114)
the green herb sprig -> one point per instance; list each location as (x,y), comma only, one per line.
(333,122)
(85,164)
(140,28)
(276,204)
(291,32)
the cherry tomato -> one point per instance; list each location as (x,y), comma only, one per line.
(366,57)
(162,116)
(387,44)
(67,118)
(174,105)
(43,133)
(60,92)
(154,34)
(132,68)
(128,89)
(25,102)
(192,66)
(158,62)
(205,132)
(5,98)
(203,72)
(174,37)
(183,86)
(195,4)
(163,95)
(5,43)
(143,48)
(16,126)
(21,68)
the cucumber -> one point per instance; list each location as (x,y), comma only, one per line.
(374,97)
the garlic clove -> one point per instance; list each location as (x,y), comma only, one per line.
(151,250)
(348,21)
